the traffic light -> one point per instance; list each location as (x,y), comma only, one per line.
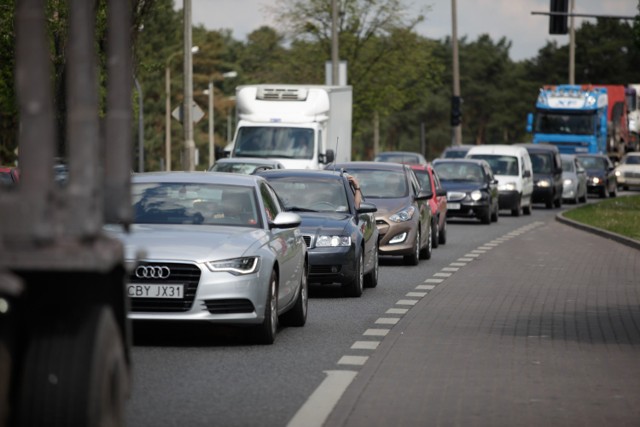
(456,110)
(558,23)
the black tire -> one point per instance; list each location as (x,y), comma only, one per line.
(558,202)
(371,278)
(414,257)
(548,203)
(265,333)
(435,233)
(355,286)
(526,210)
(443,233)
(515,211)
(425,253)
(75,371)
(297,316)
(485,216)
(605,192)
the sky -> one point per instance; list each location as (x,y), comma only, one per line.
(499,18)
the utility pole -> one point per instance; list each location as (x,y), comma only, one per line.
(456,101)
(189,144)
(335,58)
(572,46)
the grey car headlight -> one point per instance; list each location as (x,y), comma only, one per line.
(333,241)
(235,266)
(509,186)
(544,183)
(404,215)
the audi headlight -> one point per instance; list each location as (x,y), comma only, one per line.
(235,266)
(509,186)
(544,183)
(596,180)
(333,241)
(404,215)
(476,195)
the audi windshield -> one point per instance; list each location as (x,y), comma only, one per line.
(205,204)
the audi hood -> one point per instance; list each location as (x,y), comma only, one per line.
(186,242)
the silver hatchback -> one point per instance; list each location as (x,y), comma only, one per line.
(215,248)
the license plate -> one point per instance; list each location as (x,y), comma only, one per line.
(155,291)
(453,206)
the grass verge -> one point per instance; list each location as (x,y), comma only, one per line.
(620,215)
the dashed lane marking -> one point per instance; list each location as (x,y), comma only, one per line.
(365,345)
(376,332)
(353,360)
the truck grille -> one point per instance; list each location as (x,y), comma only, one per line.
(186,274)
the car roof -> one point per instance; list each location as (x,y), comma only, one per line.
(252,160)
(461,147)
(196,177)
(465,160)
(371,165)
(539,147)
(323,173)
(502,149)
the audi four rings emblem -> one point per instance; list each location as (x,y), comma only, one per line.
(152,272)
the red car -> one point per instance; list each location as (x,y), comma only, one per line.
(9,176)
(438,203)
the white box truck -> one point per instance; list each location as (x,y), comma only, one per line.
(303,126)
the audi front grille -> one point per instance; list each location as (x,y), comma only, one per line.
(184,274)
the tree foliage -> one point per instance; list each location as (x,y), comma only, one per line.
(400,77)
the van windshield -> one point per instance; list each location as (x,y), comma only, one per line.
(501,165)
(541,163)
(274,142)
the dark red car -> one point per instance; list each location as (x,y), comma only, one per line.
(438,203)
(9,176)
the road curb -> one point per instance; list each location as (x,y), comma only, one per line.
(600,232)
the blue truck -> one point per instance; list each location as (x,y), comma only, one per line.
(581,119)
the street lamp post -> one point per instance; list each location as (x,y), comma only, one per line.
(167,87)
(212,156)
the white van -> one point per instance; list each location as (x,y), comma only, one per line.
(512,167)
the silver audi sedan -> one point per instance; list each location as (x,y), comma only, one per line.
(217,248)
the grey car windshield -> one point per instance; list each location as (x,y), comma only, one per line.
(461,171)
(186,203)
(311,194)
(567,165)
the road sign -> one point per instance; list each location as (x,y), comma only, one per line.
(196,113)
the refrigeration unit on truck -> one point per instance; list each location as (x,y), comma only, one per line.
(303,126)
(582,119)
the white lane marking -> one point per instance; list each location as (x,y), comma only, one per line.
(465,259)
(365,345)
(387,321)
(453,269)
(416,294)
(397,311)
(425,287)
(442,274)
(407,302)
(486,248)
(353,360)
(319,405)
(478,251)
(458,264)
(434,281)
(376,332)
(472,255)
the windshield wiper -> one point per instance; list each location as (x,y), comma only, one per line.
(297,209)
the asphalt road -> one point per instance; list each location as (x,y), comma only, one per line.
(216,377)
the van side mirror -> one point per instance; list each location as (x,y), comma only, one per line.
(328,157)
(526,173)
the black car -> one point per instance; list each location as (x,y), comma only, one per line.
(547,174)
(342,239)
(601,178)
(472,190)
